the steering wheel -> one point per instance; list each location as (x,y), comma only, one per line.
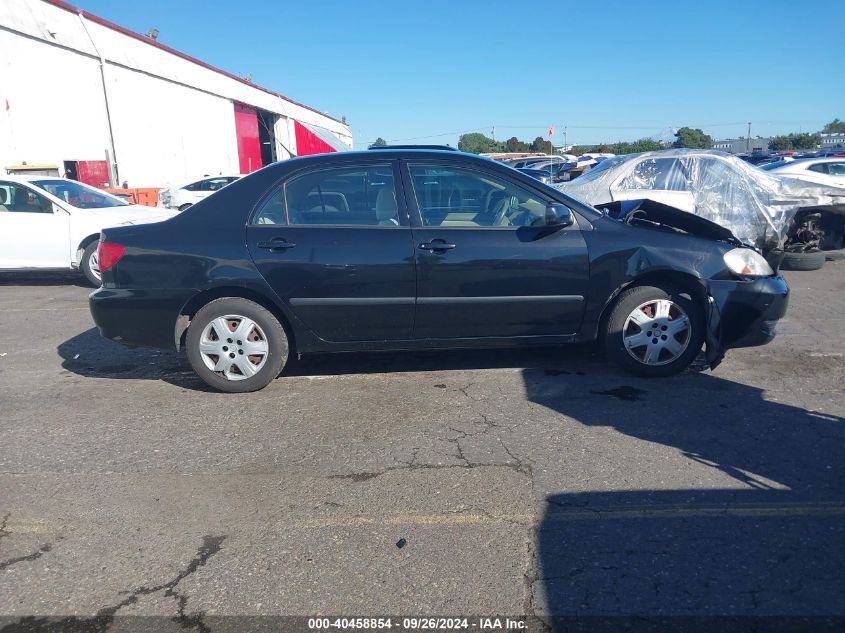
(501,217)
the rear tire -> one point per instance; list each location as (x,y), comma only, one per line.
(235,345)
(90,266)
(802,261)
(654,332)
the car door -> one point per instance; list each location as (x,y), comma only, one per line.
(34,233)
(191,194)
(487,264)
(335,245)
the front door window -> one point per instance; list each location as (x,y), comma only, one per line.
(458,197)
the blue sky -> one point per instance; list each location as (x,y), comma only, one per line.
(608,70)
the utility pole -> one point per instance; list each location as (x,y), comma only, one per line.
(565,144)
(748,139)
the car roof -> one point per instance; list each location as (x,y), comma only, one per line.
(808,160)
(381,148)
(380,155)
(27,179)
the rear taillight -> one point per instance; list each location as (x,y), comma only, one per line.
(108,254)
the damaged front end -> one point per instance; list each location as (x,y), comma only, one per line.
(743,304)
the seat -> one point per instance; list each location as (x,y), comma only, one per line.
(3,197)
(386,207)
(20,201)
(334,202)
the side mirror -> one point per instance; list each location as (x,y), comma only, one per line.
(559,216)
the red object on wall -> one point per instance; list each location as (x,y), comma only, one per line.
(309,143)
(93,172)
(246,130)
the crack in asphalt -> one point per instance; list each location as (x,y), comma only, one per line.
(102,621)
(515,463)
(29,557)
(4,564)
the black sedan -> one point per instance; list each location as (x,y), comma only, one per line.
(415,249)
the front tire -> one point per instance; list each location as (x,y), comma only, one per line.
(654,332)
(236,345)
(90,265)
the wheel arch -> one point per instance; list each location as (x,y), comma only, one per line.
(83,244)
(683,281)
(195,303)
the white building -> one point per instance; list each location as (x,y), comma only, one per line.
(79,94)
(833,141)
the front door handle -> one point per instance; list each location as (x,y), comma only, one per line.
(276,245)
(437,245)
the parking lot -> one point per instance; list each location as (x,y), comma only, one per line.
(529,483)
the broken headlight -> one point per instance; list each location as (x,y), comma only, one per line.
(747,263)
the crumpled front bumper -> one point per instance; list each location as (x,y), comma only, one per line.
(743,313)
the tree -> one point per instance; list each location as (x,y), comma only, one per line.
(541,145)
(834,127)
(477,143)
(513,144)
(694,138)
(379,142)
(794,141)
(642,145)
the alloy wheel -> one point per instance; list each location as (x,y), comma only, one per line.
(234,346)
(94,265)
(657,332)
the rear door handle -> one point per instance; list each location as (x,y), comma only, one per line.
(276,245)
(437,245)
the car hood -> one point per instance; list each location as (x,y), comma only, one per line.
(651,213)
(133,214)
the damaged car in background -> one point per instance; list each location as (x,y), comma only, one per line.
(790,221)
(420,249)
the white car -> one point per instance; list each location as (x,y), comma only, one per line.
(824,171)
(770,210)
(54,223)
(183,197)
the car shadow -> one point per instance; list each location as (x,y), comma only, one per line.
(761,547)
(89,354)
(43,278)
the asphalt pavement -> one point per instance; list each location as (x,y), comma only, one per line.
(534,484)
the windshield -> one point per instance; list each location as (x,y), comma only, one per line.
(78,195)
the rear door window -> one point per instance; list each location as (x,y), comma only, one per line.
(341,196)
(213,184)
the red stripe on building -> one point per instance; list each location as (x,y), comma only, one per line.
(309,143)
